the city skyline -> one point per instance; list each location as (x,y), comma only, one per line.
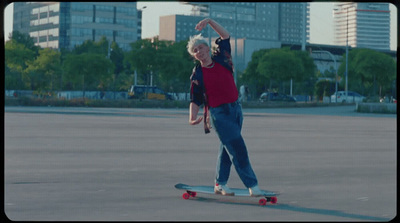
(321,20)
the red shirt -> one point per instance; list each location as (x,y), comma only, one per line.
(220,85)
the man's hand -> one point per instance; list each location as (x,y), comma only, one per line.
(222,32)
(202,24)
(208,121)
(195,122)
(193,111)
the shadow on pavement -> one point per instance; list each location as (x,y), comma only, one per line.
(288,207)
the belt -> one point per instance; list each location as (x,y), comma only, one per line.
(233,104)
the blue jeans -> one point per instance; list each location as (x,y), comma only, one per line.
(227,120)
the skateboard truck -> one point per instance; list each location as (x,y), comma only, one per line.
(262,201)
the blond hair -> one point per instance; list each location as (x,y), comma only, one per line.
(195,41)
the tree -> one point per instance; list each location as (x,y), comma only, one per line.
(45,71)
(370,72)
(123,82)
(277,67)
(24,39)
(252,77)
(309,68)
(86,71)
(306,79)
(17,55)
(89,46)
(282,65)
(88,67)
(323,88)
(174,66)
(142,57)
(117,58)
(168,62)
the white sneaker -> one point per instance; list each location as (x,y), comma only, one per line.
(223,189)
(255,191)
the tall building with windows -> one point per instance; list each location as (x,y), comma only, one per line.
(362,25)
(284,22)
(66,24)
(179,27)
(294,23)
(254,25)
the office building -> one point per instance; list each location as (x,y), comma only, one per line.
(255,25)
(179,27)
(294,23)
(285,22)
(66,24)
(362,25)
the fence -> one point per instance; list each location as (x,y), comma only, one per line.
(88,94)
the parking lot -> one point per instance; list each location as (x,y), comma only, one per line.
(110,164)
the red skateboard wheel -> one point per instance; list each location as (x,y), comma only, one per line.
(185,196)
(274,200)
(193,194)
(262,201)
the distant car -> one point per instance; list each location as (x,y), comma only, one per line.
(147,92)
(352,97)
(275,96)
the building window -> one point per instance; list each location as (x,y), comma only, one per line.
(78,6)
(102,20)
(81,19)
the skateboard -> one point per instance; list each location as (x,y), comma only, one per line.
(191,191)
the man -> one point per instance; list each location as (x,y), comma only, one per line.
(212,84)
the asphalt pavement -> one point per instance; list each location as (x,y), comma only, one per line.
(114,164)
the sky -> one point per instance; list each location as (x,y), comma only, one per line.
(321,20)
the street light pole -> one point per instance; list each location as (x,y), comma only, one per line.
(141,17)
(347,50)
(347,43)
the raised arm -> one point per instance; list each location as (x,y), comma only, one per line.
(222,32)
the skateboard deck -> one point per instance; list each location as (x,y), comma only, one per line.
(191,191)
